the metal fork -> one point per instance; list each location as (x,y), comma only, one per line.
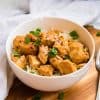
(98,68)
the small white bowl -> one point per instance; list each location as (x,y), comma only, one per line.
(53,83)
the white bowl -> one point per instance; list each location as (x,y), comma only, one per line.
(52,83)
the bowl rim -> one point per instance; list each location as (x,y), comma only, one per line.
(50,77)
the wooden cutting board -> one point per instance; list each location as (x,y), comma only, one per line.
(85,89)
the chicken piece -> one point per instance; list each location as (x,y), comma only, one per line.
(54,61)
(48,38)
(27,49)
(43,54)
(75,45)
(33,61)
(46,70)
(66,67)
(17,41)
(21,62)
(62,46)
(32,37)
(78,54)
(20,45)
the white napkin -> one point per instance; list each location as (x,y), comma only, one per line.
(48,8)
(6,75)
(81,12)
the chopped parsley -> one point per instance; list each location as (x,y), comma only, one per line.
(16,54)
(74,35)
(53,52)
(38,29)
(37,96)
(98,34)
(61,96)
(27,40)
(37,42)
(36,32)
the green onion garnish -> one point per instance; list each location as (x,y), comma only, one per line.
(37,42)
(36,32)
(27,40)
(38,29)
(74,35)
(53,52)
(16,54)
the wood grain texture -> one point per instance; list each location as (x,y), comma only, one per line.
(85,89)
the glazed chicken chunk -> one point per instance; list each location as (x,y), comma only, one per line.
(28,49)
(77,53)
(22,47)
(21,62)
(46,70)
(79,57)
(55,61)
(33,61)
(43,54)
(66,67)
(75,45)
(62,46)
(18,41)
(48,38)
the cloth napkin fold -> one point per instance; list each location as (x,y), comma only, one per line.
(8,24)
(6,75)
